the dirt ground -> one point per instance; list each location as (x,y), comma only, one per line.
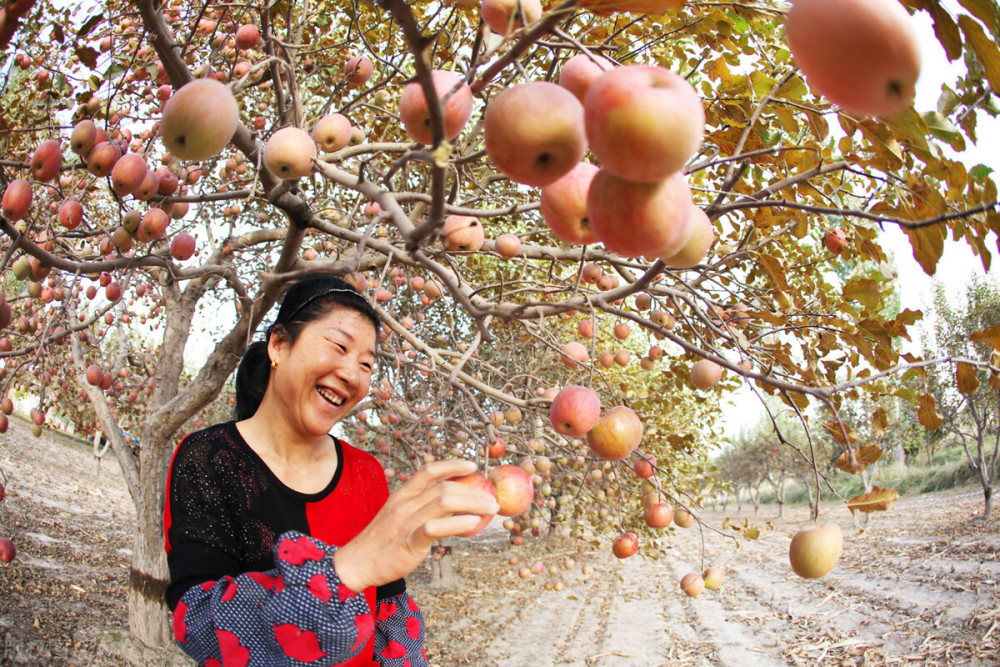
(918,586)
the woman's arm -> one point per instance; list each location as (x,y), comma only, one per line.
(399,633)
(298,612)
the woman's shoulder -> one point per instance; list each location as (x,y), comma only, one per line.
(208,444)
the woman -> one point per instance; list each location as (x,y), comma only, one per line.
(283,542)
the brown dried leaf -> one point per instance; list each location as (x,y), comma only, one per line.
(876,500)
(609,7)
(880,421)
(927,413)
(968,383)
(989,335)
(864,456)
(838,434)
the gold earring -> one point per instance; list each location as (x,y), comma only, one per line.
(274,363)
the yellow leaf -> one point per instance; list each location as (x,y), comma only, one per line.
(928,246)
(608,7)
(985,48)
(876,500)
(774,269)
(751,533)
(927,413)
(984,10)
(864,290)
(838,434)
(968,383)
(989,335)
(864,456)
(946,31)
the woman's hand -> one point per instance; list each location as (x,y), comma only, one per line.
(422,511)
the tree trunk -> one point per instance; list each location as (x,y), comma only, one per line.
(899,455)
(987,502)
(442,572)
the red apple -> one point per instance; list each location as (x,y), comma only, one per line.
(16,199)
(683,518)
(46,161)
(564,205)
(863,55)
(462,233)
(289,153)
(505,16)
(580,71)
(94,375)
(625,545)
(636,219)
(128,173)
(696,247)
(692,584)
(528,151)
(199,120)
(83,138)
(477,480)
(507,245)
(168,181)
(7,550)
(575,410)
(152,226)
(616,435)
(515,490)
(835,240)
(574,354)
(705,374)
(247,36)
(645,466)
(103,157)
(182,247)
(332,132)
(457,109)
(585,328)
(658,515)
(358,70)
(149,186)
(6,405)
(643,122)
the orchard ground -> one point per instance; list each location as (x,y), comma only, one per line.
(921,585)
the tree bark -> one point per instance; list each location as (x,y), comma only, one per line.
(442,572)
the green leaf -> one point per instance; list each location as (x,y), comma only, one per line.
(984,47)
(980,172)
(943,129)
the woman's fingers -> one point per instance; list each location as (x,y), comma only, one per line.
(434,472)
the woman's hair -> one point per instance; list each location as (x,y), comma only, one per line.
(311,298)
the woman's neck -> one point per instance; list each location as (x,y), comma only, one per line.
(269,433)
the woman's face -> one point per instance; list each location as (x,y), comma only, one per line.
(325,372)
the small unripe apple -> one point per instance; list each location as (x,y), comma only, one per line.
(814,551)
(713,577)
(683,518)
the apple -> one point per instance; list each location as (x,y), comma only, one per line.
(84,137)
(496,448)
(643,122)
(103,157)
(658,515)
(457,109)
(574,354)
(7,405)
(575,410)
(507,245)
(247,36)
(168,181)
(696,247)
(462,233)
(515,490)
(622,358)
(645,466)
(477,480)
(835,240)
(332,132)
(505,16)
(713,577)
(814,551)
(46,161)
(94,375)
(358,70)
(607,360)
(564,205)
(863,55)
(580,71)
(121,239)
(512,415)
(615,435)
(636,219)
(622,331)
(705,374)
(113,292)
(692,584)
(16,199)
(683,518)
(527,151)
(7,550)
(128,173)
(182,247)
(625,545)
(585,328)
(152,226)
(149,186)
(289,153)
(199,120)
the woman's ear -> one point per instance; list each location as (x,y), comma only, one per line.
(276,344)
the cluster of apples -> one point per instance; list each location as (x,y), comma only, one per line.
(642,123)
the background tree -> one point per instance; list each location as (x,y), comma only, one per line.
(469,330)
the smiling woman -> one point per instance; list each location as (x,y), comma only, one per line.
(283,543)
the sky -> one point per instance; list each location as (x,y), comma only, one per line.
(957,264)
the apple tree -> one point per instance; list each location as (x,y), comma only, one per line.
(184,161)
